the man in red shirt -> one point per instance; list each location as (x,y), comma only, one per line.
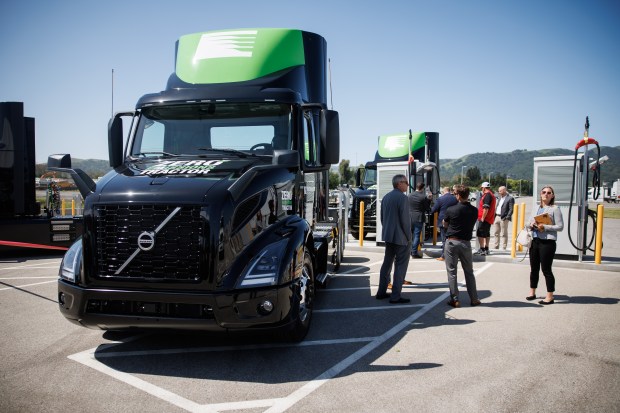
(486,217)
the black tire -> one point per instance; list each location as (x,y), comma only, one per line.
(303,302)
(337,256)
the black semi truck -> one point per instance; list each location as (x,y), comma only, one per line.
(26,226)
(215,216)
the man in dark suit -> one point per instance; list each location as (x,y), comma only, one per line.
(503,216)
(419,205)
(396,232)
(446,200)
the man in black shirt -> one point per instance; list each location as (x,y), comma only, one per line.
(419,205)
(459,221)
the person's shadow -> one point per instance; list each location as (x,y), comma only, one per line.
(583,299)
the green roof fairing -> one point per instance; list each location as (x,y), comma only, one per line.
(392,146)
(225,56)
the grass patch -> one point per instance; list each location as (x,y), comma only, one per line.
(612,213)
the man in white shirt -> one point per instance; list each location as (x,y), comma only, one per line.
(503,216)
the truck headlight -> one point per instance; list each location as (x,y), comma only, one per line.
(264,267)
(72,263)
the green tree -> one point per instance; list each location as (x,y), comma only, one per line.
(472,176)
(346,174)
(334,179)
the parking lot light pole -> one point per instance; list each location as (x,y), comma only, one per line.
(490,177)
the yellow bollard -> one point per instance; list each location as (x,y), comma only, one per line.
(521,220)
(598,246)
(62,207)
(361,224)
(435,215)
(515,230)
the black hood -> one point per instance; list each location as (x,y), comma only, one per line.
(165,180)
(366,193)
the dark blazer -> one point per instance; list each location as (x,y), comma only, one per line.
(395,219)
(419,205)
(442,203)
(507,207)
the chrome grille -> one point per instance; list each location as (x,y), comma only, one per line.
(175,256)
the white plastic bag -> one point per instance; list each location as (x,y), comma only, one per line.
(524,238)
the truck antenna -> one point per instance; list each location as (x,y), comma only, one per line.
(331,98)
(112,113)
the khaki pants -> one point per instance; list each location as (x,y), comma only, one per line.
(500,228)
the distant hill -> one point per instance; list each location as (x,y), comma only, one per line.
(519,164)
(93,167)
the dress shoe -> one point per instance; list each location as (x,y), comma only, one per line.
(416,256)
(530,297)
(382,296)
(454,303)
(441,259)
(400,301)
(543,302)
(407,282)
(475,303)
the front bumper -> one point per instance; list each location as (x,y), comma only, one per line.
(115,309)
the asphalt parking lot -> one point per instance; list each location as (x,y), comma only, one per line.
(361,355)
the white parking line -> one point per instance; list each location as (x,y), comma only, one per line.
(287,402)
(41,265)
(275,405)
(25,285)
(168,351)
(365,274)
(384,307)
(28,278)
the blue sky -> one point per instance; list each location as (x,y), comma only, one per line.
(489,76)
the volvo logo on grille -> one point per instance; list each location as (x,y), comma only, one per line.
(146,241)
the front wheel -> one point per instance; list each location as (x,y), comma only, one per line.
(303,302)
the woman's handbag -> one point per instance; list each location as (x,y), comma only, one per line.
(524,238)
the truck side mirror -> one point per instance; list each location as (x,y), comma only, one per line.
(330,137)
(62,163)
(115,139)
(59,161)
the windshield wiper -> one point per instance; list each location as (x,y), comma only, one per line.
(144,154)
(226,150)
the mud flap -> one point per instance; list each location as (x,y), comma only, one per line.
(320,252)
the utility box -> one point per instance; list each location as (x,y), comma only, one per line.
(560,173)
(385,173)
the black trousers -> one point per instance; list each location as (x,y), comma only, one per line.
(541,258)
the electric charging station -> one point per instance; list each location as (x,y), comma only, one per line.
(416,171)
(385,173)
(568,175)
(559,173)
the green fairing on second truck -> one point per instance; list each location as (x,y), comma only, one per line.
(391,148)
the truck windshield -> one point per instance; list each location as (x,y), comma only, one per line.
(253,128)
(370,178)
